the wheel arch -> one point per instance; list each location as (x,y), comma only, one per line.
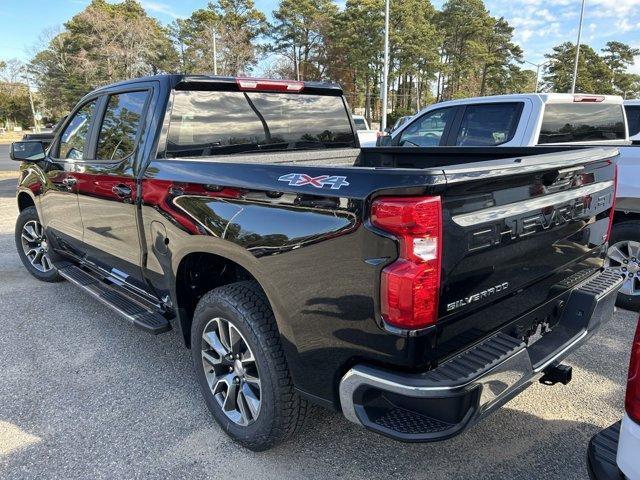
(25,200)
(200,271)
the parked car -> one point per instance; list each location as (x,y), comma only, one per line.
(632,109)
(549,119)
(366,135)
(415,290)
(614,453)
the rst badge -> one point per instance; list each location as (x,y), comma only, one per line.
(300,179)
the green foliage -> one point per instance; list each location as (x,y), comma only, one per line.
(603,74)
(236,24)
(458,51)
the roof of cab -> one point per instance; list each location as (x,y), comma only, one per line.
(184,82)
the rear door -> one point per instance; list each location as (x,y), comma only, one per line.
(107,187)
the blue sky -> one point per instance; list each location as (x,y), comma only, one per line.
(539,24)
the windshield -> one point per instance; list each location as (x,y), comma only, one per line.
(218,122)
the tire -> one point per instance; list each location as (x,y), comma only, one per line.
(33,239)
(281,411)
(621,235)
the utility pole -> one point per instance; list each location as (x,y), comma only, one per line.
(575,64)
(215,56)
(385,70)
(537,65)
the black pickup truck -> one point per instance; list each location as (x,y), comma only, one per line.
(414,289)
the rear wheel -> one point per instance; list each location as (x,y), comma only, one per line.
(241,367)
(623,257)
(33,246)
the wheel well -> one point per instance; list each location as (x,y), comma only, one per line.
(24,201)
(198,273)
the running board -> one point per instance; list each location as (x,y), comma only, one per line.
(140,316)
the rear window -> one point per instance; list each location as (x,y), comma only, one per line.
(488,124)
(633,117)
(581,122)
(219,123)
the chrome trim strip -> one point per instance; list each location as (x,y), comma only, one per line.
(504,211)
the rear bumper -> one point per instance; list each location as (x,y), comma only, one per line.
(443,402)
(601,455)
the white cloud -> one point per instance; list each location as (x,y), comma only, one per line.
(159,7)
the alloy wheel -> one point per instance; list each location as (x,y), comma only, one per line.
(231,371)
(624,258)
(35,246)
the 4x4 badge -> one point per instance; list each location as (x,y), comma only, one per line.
(300,179)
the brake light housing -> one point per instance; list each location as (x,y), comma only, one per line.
(268,85)
(588,98)
(632,399)
(410,286)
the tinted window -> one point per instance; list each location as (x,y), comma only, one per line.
(74,136)
(427,131)
(581,122)
(633,117)
(489,124)
(360,124)
(211,123)
(120,125)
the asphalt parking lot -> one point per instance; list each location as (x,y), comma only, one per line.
(84,395)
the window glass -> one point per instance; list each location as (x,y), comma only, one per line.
(427,130)
(581,122)
(217,123)
(120,125)
(360,123)
(488,124)
(74,137)
(633,117)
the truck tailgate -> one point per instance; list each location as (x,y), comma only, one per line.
(517,233)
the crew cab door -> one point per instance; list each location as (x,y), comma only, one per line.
(106,187)
(59,201)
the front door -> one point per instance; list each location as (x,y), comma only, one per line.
(107,190)
(59,201)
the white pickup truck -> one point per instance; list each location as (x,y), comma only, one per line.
(549,119)
(366,136)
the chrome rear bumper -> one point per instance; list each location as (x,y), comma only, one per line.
(442,402)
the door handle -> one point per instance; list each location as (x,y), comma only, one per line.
(121,191)
(69,181)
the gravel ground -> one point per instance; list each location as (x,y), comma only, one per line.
(85,395)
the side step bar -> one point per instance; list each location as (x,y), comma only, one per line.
(139,315)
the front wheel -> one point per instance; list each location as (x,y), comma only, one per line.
(33,246)
(623,257)
(241,367)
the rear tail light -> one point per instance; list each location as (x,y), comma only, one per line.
(613,204)
(632,402)
(267,85)
(410,286)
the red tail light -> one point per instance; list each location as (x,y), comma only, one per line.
(632,402)
(267,85)
(410,286)
(613,204)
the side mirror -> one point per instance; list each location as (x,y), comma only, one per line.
(383,141)
(29,151)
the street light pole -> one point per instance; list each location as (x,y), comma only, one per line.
(575,64)
(215,56)
(385,72)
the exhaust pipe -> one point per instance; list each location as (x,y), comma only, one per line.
(556,373)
